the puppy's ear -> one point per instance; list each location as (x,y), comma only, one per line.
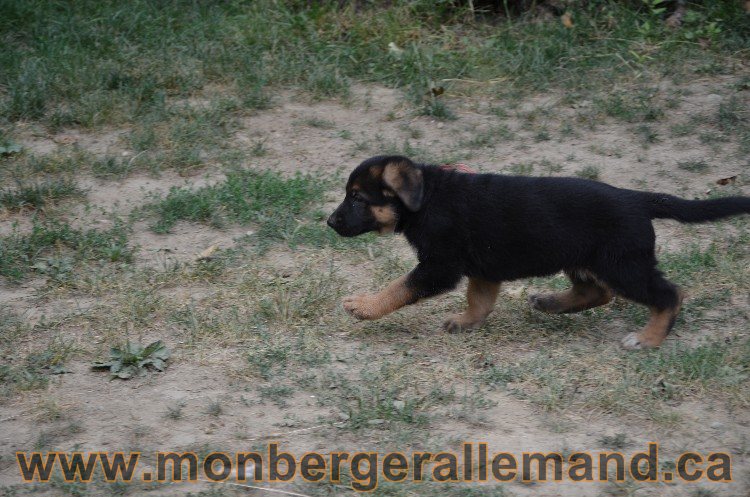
(405,179)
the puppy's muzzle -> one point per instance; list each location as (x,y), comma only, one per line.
(334,221)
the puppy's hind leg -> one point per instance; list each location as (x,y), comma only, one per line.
(587,292)
(665,300)
(481,296)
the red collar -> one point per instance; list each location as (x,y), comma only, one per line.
(461,168)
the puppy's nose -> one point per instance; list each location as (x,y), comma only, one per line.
(332,219)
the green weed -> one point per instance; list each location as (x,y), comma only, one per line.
(134,359)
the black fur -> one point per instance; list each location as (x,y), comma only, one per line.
(502,228)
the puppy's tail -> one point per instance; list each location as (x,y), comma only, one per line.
(661,205)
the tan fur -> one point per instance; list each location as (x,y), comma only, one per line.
(655,331)
(393,175)
(657,328)
(385,216)
(481,296)
(376,172)
(405,181)
(374,306)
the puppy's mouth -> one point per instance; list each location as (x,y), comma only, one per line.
(345,231)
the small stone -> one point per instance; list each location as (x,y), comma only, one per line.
(716,425)
(376,422)
(399,405)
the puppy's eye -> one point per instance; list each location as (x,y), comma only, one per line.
(356,196)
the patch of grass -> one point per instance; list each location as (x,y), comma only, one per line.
(683,129)
(646,134)
(174,412)
(438,109)
(32,170)
(8,147)
(542,135)
(589,172)
(277,394)
(683,266)
(113,167)
(273,202)
(259,148)
(53,248)
(310,296)
(694,165)
(699,366)
(380,399)
(51,74)
(25,167)
(412,132)
(630,106)
(318,122)
(214,408)
(326,82)
(37,195)
(33,371)
(619,383)
(521,169)
(733,117)
(489,137)
(618,441)
(267,358)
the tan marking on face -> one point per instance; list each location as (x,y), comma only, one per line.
(385,217)
(405,181)
(393,297)
(480,296)
(376,172)
(393,175)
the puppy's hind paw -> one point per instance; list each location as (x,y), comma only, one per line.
(632,342)
(544,303)
(533,301)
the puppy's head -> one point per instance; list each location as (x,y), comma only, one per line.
(378,192)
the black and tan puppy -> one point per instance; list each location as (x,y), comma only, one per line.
(493,228)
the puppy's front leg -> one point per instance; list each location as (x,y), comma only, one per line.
(426,280)
(481,296)
(374,306)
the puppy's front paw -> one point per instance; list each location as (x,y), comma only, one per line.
(457,323)
(362,306)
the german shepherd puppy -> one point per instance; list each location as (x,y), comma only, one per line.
(494,228)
